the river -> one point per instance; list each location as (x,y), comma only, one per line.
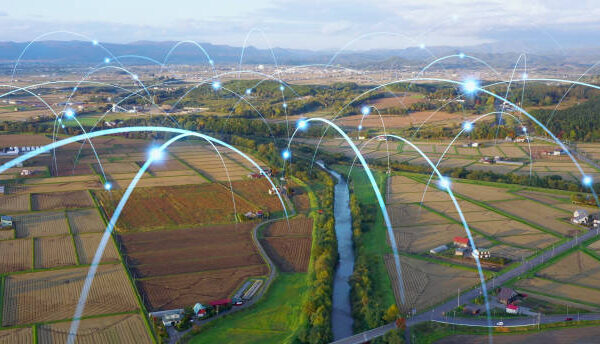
(341,316)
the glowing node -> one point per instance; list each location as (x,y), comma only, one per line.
(286,154)
(365,110)
(107,186)
(211,62)
(444,183)
(62,126)
(95,42)
(156,154)
(281,88)
(587,181)
(470,86)
(216,85)
(422,46)
(461,55)
(468,126)
(74,89)
(360,127)
(248,91)
(69,113)
(524,129)
(59,120)
(135,77)
(524,76)
(284,105)
(302,124)
(106,60)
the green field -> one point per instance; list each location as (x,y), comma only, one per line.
(274,319)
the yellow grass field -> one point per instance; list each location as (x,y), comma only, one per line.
(16,335)
(14,203)
(578,268)
(61,200)
(53,295)
(126,329)
(402,215)
(539,214)
(421,239)
(87,244)
(572,292)
(85,221)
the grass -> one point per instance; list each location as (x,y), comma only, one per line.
(274,319)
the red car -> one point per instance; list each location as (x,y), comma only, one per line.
(569,319)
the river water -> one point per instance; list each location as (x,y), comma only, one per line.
(341,316)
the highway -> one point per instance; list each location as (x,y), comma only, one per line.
(438,313)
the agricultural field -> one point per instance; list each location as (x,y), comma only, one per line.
(559,289)
(61,200)
(85,221)
(422,238)
(86,245)
(257,192)
(14,203)
(53,295)
(126,328)
(175,291)
(40,224)
(16,335)
(214,167)
(15,255)
(54,251)
(427,283)
(173,207)
(289,247)
(586,334)
(578,268)
(162,262)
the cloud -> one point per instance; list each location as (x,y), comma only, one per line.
(3,14)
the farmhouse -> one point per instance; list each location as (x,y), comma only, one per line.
(7,221)
(169,318)
(580,217)
(26,172)
(461,241)
(506,295)
(200,310)
(2,190)
(512,309)
(461,251)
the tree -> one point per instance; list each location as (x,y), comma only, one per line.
(391,314)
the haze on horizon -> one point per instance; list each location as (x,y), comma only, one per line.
(313,24)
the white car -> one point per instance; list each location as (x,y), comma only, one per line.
(499,323)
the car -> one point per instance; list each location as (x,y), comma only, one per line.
(569,319)
(500,323)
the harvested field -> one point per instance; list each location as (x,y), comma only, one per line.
(118,167)
(85,221)
(482,192)
(421,239)
(544,286)
(299,226)
(86,245)
(432,195)
(6,234)
(53,295)
(126,328)
(588,334)
(301,202)
(496,168)
(73,186)
(16,335)
(543,197)
(257,192)
(427,283)
(9,140)
(291,254)
(61,200)
(173,206)
(14,203)
(55,251)
(510,252)
(182,290)
(578,268)
(515,232)
(58,180)
(539,214)
(146,182)
(166,165)
(40,224)
(415,118)
(402,215)
(15,255)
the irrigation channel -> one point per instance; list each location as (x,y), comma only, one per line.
(341,316)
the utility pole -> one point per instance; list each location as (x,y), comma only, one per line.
(458,300)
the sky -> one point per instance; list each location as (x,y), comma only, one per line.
(307,24)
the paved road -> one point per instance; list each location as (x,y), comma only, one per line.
(438,312)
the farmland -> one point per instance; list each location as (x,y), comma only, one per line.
(127,328)
(15,255)
(289,246)
(53,295)
(55,251)
(85,221)
(41,224)
(173,207)
(171,265)
(14,203)
(60,200)
(578,268)
(86,245)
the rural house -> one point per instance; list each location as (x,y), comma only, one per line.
(512,309)
(6,221)
(199,310)
(506,295)
(461,242)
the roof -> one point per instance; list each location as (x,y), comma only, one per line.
(461,240)
(6,218)
(506,293)
(513,307)
(220,302)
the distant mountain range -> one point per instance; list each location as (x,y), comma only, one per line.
(85,53)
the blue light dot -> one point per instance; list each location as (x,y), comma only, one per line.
(69,113)
(524,129)
(248,91)
(106,60)
(422,46)
(365,110)
(302,124)
(216,85)
(360,127)
(461,55)
(281,88)
(524,76)
(468,126)
(62,126)
(286,154)
(95,42)
(156,154)
(211,62)
(107,186)
(135,77)
(284,105)
(444,183)
(470,86)
(587,181)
